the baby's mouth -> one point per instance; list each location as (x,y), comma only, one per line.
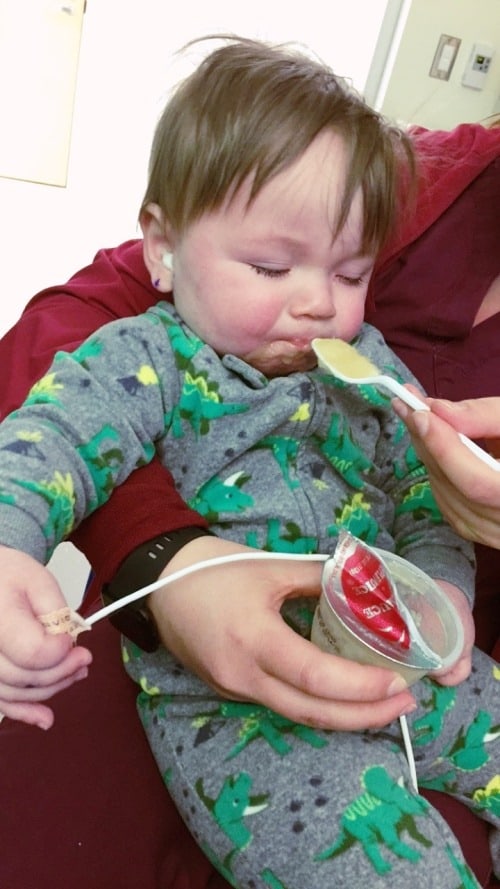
(300,357)
(283,357)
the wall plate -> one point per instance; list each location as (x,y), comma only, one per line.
(444,57)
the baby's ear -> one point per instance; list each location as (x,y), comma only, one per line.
(157,249)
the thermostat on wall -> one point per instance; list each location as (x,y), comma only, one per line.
(478,66)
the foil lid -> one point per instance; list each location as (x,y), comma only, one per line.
(377,608)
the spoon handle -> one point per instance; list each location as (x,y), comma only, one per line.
(397,389)
(479,452)
(418,405)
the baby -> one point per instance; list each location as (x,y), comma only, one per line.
(271,190)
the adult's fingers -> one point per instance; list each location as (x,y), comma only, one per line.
(476,417)
(305,684)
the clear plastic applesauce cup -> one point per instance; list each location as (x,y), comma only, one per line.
(377,608)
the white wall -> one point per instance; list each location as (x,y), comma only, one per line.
(126,68)
(414,97)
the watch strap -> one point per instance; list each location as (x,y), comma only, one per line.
(142,567)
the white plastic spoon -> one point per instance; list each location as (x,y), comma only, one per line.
(345,362)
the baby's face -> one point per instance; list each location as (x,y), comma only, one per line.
(261,282)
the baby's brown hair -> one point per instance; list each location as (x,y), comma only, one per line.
(251,109)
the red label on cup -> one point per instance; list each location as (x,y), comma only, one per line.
(369,595)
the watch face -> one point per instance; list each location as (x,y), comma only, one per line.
(136,626)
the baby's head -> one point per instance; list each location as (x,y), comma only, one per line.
(250,110)
(274,186)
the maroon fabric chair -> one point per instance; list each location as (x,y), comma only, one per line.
(87,808)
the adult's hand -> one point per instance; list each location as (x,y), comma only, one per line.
(224,624)
(466,490)
(34,665)
(460,670)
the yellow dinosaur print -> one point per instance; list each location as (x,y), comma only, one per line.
(147,376)
(488,797)
(33,437)
(45,386)
(302,414)
(146,687)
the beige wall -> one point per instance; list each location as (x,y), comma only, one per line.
(414,97)
(39,47)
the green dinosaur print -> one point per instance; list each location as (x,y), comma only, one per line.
(256,722)
(469,752)
(131,651)
(275,542)
(445,783)
(419,501)
(370,393)
(488,798)
(89,349)
(284,450)
(374,396)
(353,514)
(271,879)
(410,465)
(225,866)
(59,494)
(44,391)
(217,495)
(377,818)
(232,805)
(199,403)
(428,727)
(152,706)
(9,499)
(468,880)
(184,345)
(343,453)
(102,462)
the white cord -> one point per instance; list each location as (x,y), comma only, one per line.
(409,752)
(190,569)
(223,560)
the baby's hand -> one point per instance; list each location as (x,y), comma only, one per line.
(462,667)
(34,664)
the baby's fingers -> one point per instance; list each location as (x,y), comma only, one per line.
(31,714)
(23,704)
(17,677)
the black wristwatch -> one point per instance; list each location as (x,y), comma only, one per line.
(139,569)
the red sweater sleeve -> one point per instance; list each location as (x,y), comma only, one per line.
(115,285)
